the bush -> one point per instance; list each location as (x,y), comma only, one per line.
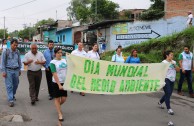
(152,15)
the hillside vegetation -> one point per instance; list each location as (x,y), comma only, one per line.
(151,51)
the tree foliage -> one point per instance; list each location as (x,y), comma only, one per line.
(2,33)
(155,12)
(85,10)
(27,33)
(44,22)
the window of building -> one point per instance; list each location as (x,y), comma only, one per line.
(63,38)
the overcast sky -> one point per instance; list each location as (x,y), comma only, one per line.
(37,10)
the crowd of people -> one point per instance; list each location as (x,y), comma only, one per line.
(56,70)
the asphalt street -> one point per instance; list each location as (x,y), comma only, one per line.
(95,110)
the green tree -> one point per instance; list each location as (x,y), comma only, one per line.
(27,33)
(85,10)
(156,11)
(2,33)
(44,22)
(126,15)
(106,10)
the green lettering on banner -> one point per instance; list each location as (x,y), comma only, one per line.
(140,85)
(110,70)
(93,85)
(98,85)
(122,86)
(87,65)
(92,67)
(145,72)
(105,85)
(140,71)
(117,70)
(123,71)
(151,85)
(146,85)
(97,68)
(157,85)
(113,85)
(73,81)
(137,85)
(127,88)
(132,87)
(81,83)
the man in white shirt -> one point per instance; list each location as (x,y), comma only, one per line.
(35,60)
(80,52)
(190,19)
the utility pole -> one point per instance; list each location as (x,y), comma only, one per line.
(4,28)
(56,15)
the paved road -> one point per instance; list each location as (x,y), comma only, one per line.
(96,110)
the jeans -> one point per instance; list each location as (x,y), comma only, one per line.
(188,75)
(11,83)
(168,89)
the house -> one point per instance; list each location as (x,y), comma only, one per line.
(70,35)
(48,31)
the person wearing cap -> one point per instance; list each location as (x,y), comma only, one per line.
(189,19)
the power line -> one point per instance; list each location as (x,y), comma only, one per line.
(18,5)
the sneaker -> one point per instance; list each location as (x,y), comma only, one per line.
(160,105)
(11,104)
(180,93)
(170,112)
(14,98)
(170,123)
(192,95)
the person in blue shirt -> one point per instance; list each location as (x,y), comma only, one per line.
(133,58)
(118,56)
(11,70)
(49,55)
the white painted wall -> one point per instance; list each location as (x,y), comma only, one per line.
(139,31)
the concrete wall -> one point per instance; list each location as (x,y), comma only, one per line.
(127,34)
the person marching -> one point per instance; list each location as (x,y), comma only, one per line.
(49,55)
(11,65)
(93,54)
(186,61)
(3,45)
(80,52)
(133,58)
(35,60)
(118,56)
(169,80)
(58,68)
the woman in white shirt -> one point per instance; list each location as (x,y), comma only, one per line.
(118,56)
(58,68)
(169,80)
(3,45)
(93,54)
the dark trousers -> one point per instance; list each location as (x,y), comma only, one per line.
(49,76)
(188,75)
(34,78)
(168,89)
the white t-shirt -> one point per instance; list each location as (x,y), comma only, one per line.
(171,73)
(79,53)
(60,67)
(117,58)
(93,55)
(190,17)
(187,60)
(33,66)
(3,46)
